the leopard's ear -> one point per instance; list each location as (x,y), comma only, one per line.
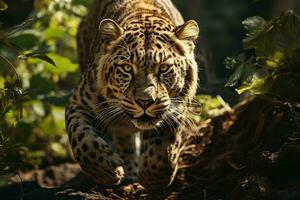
(110,30)
(188,31)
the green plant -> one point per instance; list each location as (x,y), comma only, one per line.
(274,69)
(38,62)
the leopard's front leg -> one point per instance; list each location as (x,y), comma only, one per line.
(94,155)
(156,163)
(126,143)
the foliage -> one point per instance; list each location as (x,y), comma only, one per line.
(210,107)
(38,63)
(274,69)
(3,5)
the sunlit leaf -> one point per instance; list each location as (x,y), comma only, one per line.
(257,86)
(64,65)
(45,58)
(271,63)
(276,43)
(243,88)
(54,33)
(3,5)
(58,149)
(279,34)
(49,37)
(276,60)
(2,81)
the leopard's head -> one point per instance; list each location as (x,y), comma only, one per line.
(148,67)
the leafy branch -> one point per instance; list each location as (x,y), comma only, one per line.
(274,67)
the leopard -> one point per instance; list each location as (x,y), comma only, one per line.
(139,77)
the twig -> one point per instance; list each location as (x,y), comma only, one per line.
(21,186)
(224,104)
(13,67)
(113,194)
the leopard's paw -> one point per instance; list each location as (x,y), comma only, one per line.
(107,171)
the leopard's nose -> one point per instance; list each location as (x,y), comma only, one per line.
(144,103)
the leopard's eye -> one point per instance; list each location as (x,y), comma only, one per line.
(127,68)
(163,67)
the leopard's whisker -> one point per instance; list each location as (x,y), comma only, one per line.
(109,102)
(104,112)
(189,122)
(107,112)
(111,118)
(176,120)
(170,118)
(106,115)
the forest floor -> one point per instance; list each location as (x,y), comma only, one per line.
(251,152)
(65,181)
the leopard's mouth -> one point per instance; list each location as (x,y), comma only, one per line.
(146,122)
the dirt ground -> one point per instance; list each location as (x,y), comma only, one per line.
(65,181)
(251,152)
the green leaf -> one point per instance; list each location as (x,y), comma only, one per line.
(243,88)
(268,37)
(230,63)
(238,65)
(3,5)
(54,33)
(45,58)
(40,85)
(257,86)
(235,76)
(42,49)
(4,40)
(276,43)
(64,65)
(244,70)
(19,27)
(256,31)
(82,2)
(255,26)
(25,39)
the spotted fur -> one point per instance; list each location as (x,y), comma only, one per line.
(139,77)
